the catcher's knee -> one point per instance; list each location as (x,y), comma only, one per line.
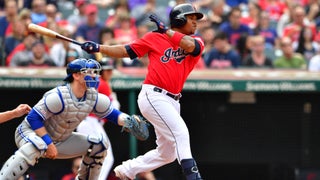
(97,151)
(19,163)
(33,150)
(93,159)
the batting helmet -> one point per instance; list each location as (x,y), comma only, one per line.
(179,12)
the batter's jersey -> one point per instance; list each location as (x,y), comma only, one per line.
(169,65)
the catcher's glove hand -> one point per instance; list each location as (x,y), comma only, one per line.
(137,126)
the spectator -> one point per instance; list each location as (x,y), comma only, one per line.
(234,28)
(120,7)
(263,28)
(305,45)
(243,45)
(222,55)
(314,64)
(275,9)
(37,58)
(38,11)
(19,111)
(59,51)
(217,13)
(25,16)
(26,44)
(252,18)
(237,3)
(53,15)
(207,34)
(289,59)
(126,32)
(13,40)
(71,55)
(78,16)
(257,58)
(11,12)
(106,36)
(300,21)
(142,12)
(313,11)
(90,30)
(285,18)
(76,162)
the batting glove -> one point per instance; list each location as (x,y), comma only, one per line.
(90,47)
(161,27)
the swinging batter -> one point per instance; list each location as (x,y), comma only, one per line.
(172,54)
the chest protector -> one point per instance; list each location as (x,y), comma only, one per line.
(66,112)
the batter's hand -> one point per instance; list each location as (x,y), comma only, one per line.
(161,27)
(90,47)
(51,152)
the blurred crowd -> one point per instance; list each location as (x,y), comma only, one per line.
(237,33)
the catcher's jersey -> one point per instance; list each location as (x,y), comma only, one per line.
(62,112)
(169,65)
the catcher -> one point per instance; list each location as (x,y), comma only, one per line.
(48,130)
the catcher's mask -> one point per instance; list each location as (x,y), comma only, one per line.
(89,67)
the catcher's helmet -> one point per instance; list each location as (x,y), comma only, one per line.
(87,66)
(179,12)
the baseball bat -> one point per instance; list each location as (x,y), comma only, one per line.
(47,32)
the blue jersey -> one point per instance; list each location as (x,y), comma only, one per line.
(235,34)
(219,60)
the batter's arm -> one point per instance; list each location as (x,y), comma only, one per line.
(116,51)
(186,42)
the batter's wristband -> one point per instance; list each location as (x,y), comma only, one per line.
(176,38)
(46,138)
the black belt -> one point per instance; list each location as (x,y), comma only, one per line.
(175,97)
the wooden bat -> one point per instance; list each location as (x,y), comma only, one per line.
(47,32)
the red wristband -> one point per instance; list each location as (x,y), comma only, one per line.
(176,38)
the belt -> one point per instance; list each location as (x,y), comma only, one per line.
(173,96)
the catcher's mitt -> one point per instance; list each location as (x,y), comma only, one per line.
(137,126)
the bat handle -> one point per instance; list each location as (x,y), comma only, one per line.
(76,42)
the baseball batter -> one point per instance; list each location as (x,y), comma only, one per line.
(172,55)
(48,129)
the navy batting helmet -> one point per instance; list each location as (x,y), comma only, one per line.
(179,12)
